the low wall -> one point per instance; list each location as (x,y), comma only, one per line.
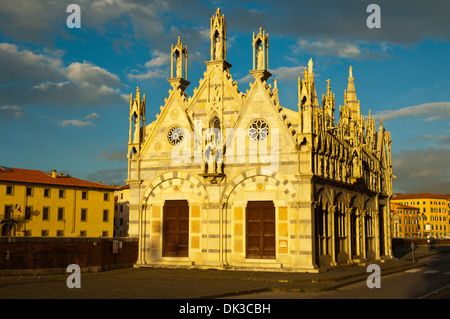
(397,242)
(49,255)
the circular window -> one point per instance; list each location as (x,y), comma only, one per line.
(175,135)
(258,130)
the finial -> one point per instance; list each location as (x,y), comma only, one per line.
(310,66)
(350,72)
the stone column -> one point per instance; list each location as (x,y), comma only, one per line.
(363,253)
(348,225)
(358,232)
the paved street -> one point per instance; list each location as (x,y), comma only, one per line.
(430,281)
(149,283)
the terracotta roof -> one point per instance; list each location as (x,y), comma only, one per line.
(38,177)
(417,196)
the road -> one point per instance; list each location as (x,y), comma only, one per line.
(429,282)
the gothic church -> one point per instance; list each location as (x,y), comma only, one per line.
(233,180)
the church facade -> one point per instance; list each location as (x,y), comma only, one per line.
(231,179)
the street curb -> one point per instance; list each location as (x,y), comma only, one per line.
(317,285)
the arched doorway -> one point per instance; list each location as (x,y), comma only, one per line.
(323,236)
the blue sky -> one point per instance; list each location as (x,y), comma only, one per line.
(64,93)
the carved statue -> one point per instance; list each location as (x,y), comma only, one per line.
(179,67)
(259,59)
(218,55)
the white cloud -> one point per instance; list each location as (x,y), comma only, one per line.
(11,112)
(156,68)
(32,78)
(421,167)
(430,111)
(330,47)
(159,59)
(24,67)
(288,74)
(86,121)
(92,74)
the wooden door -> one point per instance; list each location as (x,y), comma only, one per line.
(260,230)
(175,228)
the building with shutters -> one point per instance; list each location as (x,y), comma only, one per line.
(433,212)
(405,221)
(232,179)
(39,204)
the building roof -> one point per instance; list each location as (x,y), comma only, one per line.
(417,196)
(10,174)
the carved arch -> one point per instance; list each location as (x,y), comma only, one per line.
(258,175)
(170,179)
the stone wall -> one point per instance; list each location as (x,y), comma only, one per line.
(397,242)
(49,255)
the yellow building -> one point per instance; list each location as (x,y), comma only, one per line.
(405,221)
(433,212)
(34,203)
(121,211)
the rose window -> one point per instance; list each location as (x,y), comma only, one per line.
(258,130)
(175,135)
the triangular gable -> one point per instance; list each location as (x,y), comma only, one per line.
(173,113)
(259,104)
(214,76)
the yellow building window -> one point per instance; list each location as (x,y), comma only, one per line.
(105,215)
(9,190)
(46,213)
(83,214)
(8,211)
(60,213)
(28,211)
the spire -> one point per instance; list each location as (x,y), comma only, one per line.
(137,121)
(261,55)
(218,37)
(178,56)
(352,101)
(328,105)
(307,99)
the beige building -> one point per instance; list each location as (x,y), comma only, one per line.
(121,211)
(405,221)
(232,179)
